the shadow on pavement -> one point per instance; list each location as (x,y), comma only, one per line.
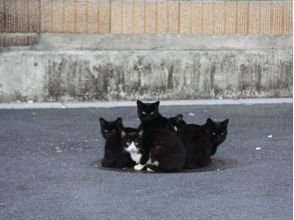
(215,165)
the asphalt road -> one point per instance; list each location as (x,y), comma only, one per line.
(47,171)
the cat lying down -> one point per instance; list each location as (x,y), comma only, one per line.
(160,144)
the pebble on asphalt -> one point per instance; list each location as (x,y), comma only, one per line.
(58,150)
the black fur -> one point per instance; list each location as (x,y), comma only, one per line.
(151,120)
(201,141)
(177,122)
(168,150)
(114,154)
(167,153)
(217,133)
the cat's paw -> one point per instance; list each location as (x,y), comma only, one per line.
(139,167)
(149,170)
(149,161)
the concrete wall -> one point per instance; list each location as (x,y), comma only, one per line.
(117,67)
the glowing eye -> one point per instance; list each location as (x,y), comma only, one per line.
(113,130)
(128,143)
(144,113)
(222,133)
(105,130)
(213,133)
(152,113)
(136,143)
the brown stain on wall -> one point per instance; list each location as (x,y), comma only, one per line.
(258,71)
(244,79)
(212,73)
(170,77)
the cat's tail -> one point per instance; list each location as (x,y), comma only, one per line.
(152,168)
(108,163)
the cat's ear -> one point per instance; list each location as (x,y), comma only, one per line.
(102,122)
(179,117)
(118,123)
(140,133)
(225,122)
(139,104)
(123,134)
(118,120)
(209,124)
(209,121)
(156,104)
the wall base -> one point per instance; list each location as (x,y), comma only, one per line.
(75,75)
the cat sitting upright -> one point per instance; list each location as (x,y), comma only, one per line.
(218,133)
(167,153)
(151,120)
(114,154)
(201,141)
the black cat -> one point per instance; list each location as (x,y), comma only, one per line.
(150,116)
(201,141)
(151,120)
(177,122)
(114,154)
(167,153)
(217,133)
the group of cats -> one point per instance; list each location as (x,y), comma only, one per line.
(160,144)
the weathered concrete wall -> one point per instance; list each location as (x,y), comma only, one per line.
(162,72)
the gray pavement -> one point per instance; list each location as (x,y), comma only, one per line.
(47,171)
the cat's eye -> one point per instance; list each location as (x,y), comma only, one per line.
(144,113)
(105,130)
(136,143)
(128,143)
(152,113)
(213,133)
(222,133)
(113,130)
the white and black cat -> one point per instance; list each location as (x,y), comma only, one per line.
(132,143)
(201,141)
(167,153)
(114,154)
(151,120)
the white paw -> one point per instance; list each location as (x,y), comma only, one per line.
(139,167)
(155,163)
(149,162)
(149,170)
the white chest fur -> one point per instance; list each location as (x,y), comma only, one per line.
(136,157)
(134,152)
